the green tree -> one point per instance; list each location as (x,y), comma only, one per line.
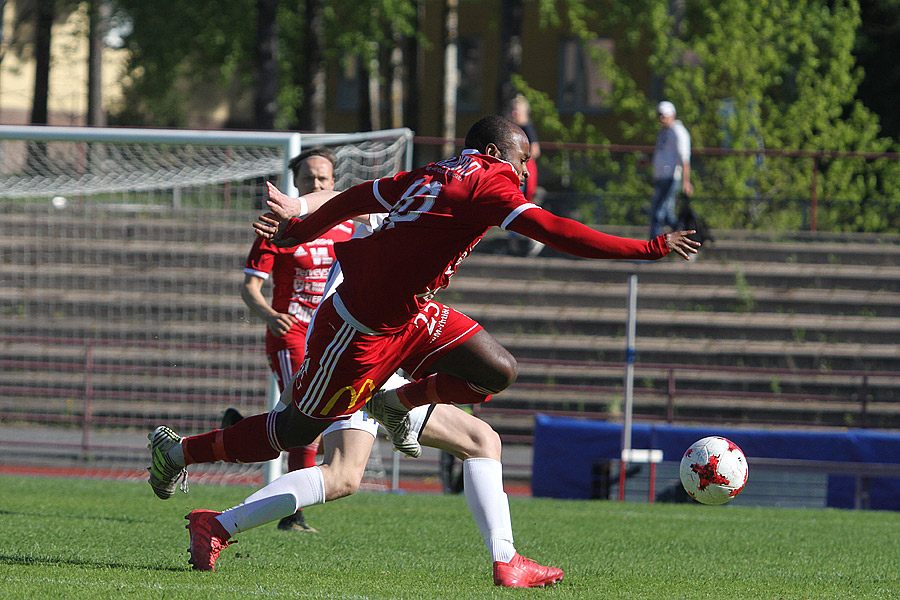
(877,38)
(778,74)
(214,44)
(176,47)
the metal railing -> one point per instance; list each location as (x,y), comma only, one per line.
(812,159)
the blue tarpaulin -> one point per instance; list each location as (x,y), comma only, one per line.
(566,451)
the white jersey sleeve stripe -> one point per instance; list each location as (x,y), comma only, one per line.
(518,211)
(387,206)
(255,273)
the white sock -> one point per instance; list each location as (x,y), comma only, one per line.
(280,498)
(483,481)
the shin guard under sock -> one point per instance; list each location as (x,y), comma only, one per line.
(279,499)
(483,482)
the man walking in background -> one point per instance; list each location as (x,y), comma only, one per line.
(671,168)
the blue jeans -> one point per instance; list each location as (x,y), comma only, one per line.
(662,209)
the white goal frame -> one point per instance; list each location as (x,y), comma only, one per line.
(290,143)
(36,187)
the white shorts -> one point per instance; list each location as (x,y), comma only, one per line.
(358,420)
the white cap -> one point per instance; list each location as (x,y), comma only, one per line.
(665,108)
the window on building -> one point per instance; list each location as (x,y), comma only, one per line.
(470,61)
(583,86)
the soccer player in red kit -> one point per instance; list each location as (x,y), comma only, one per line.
(298,276)
(383,317)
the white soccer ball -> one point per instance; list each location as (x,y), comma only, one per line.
(713,470)
(59,202)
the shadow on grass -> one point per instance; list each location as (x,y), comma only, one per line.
(71,562)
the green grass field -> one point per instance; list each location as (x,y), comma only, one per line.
(77,539)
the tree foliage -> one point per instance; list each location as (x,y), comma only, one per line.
(177,47)
(777,74)
(877,42)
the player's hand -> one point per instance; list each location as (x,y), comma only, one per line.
(280,324)
(678,241)
(271,228)
(283,205)
(687,188)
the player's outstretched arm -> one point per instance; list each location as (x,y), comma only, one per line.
(286,207)
(572,237)
(283,231)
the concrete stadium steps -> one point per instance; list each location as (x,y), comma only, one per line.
(137,254)
(128,305)
(593,378)
(819,303)
(824,252)
(115,278)
(689,325)
(727,352)
(96,330)
(134,370)
(797,247)
(195,225)
(708,270)
(122,357)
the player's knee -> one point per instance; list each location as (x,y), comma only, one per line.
(339,483)
(504,374)
(481,442)
(346,486)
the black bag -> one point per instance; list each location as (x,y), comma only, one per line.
(688,219)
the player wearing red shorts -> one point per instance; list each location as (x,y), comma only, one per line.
(368,328)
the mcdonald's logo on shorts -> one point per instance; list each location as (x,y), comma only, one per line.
(354,399)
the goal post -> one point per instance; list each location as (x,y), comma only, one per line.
(193,157)
(122,255)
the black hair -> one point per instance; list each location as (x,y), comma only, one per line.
(492,129)
(322,151)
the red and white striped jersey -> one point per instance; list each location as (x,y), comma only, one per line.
(298,273)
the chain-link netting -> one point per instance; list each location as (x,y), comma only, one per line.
(120,307)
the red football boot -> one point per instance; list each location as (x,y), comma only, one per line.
(208,537)
(523,572)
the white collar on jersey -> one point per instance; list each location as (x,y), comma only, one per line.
(474,151)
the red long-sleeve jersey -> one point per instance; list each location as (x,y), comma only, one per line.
(437,214)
